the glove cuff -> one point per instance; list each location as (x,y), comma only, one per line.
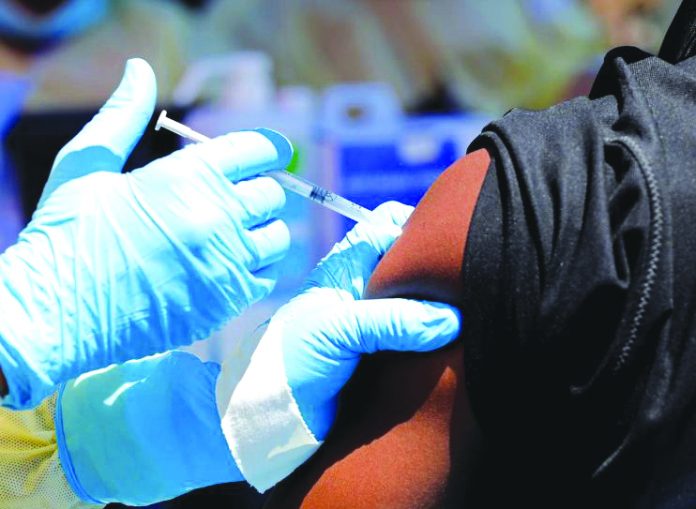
(262,423)
(64,454)
(144,431)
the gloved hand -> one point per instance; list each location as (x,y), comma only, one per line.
(117,266)
(285,403)
(150,430)
(144,431)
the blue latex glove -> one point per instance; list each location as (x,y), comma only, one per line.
(328,327)
(144,431)
(321,335)
(117,266)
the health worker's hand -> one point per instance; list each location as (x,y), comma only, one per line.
(285,403)
(116,266)
(144,431)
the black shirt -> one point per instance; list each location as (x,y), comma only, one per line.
(580,296)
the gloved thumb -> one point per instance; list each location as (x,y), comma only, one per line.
(403,325)
(394,212)
(107,140)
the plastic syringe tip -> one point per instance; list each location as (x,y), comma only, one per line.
(161,120)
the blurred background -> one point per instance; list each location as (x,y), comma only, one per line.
(378,96)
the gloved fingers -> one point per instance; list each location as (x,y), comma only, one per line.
(394,211)
(241,154)
(345,269)
(350,263)
(401,325)
(267,278)
(261,200)
(107,140)
(269,244)
(379,236)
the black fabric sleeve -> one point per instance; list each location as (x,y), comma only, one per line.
(555,253)
(579,298)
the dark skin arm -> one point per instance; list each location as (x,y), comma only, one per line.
(405,435)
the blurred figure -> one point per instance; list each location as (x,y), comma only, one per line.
(437,55)
(14,90)
(634,22)
(639,23)
(72,50)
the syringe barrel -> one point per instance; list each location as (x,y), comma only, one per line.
(287,180)
(292,182)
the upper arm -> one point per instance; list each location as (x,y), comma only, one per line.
(405,434)
(401,439)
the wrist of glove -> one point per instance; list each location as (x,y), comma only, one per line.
(276,414)
(143,432)
(117,266)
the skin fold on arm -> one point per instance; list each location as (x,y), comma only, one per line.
(405,436)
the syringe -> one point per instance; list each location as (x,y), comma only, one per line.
(286,179)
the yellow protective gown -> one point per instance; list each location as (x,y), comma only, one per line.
(30,472)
